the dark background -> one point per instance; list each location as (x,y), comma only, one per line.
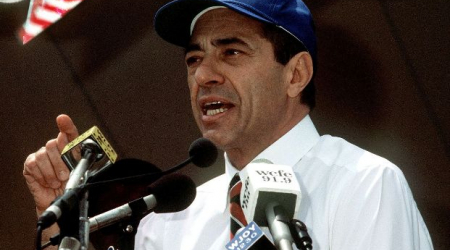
(383,83)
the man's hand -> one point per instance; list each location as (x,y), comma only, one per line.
(44,171)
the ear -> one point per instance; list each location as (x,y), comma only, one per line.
(301,72)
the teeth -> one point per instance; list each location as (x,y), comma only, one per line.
(212,103)
(211,112)
(212,108)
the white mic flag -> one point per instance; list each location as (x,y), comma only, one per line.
(264,183)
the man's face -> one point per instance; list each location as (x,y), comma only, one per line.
(238,90)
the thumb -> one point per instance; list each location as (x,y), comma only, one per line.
(68,131)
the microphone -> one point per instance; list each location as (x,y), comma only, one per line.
(94,139)
(69,243)
(170,193)
(271,197)
(250,237)
(90,152)
(125,170)
(93,146)
(203,152)
(60,205)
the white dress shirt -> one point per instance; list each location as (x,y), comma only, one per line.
(351,199)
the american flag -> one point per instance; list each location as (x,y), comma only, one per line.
(43,13)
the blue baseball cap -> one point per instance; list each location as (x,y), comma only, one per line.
(173,20)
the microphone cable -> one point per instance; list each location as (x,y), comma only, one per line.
(39,237)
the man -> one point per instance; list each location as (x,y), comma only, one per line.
(250,65)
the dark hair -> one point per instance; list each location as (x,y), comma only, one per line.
(286,46)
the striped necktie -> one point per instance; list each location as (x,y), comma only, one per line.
(237,219)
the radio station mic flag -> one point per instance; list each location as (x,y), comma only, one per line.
(264,183)
(250,237)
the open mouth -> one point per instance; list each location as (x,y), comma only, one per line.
(214,108)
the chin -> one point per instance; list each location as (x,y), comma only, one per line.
(218,140)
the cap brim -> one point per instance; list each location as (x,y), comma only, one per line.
(173,20)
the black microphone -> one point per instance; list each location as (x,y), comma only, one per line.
(203,152)
(124,170)
(299,232)
(60,205)
(170,193)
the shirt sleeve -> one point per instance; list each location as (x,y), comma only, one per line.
(375,210)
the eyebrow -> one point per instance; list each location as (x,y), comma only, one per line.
(192,47)
(228,41)
(217,43)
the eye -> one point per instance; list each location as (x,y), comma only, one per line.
(192,60)
(232,52)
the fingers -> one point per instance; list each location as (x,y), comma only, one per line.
(32,173)
(46,167)
(54,155)
(44,170)
(39,185)
(68,131)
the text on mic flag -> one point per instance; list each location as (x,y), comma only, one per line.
(263,183)
(249,236)
(95,134)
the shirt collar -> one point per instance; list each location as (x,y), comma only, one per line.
(287,150)
(291,147)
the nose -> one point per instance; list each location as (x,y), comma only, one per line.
(207,73)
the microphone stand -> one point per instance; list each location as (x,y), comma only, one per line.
(279,226)
(105,219)
(286,232)
(300,235)
(90,152)
(84,221)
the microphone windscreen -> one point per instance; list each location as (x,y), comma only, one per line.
(173,193)
(203,152)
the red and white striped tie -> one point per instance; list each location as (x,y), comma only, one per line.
(237,219)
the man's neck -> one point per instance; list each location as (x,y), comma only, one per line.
(239,157)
